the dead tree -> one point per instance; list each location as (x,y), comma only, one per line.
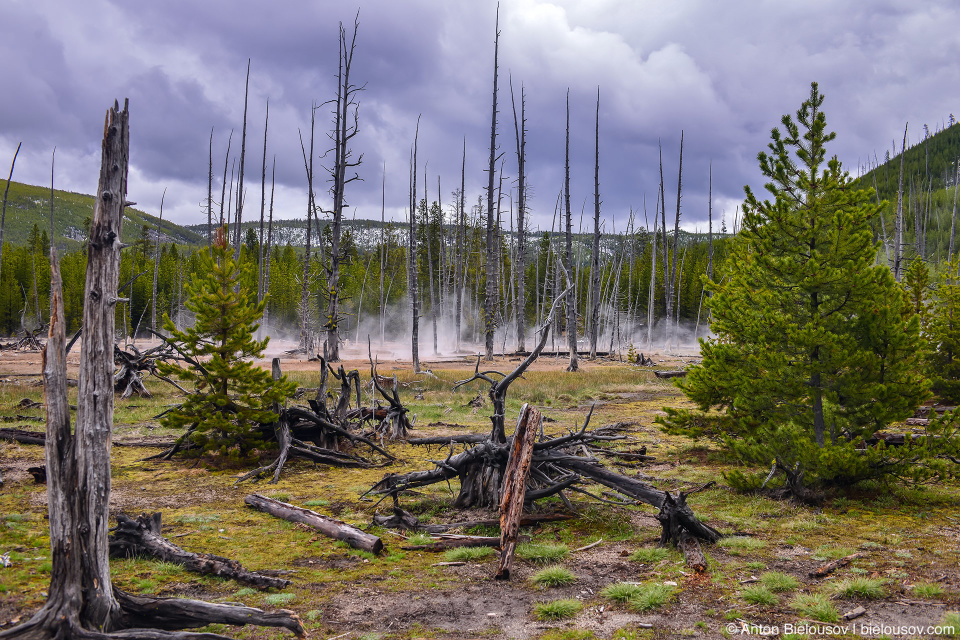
(490,288)
(520,129)
(82,601)
(6,190)
(515,478)
(568,254)
(412,266)
(330,527)
(134,365)
(156,268)
(898,222)
(394,422)
(346,127)
(595,256)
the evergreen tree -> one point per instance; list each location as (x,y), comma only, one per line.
(231,396)
(943,333)
(813,351)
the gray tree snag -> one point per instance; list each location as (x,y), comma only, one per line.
(305,285)
(156,268)
(595,257)
(571,301)
(210,194)
(263,204)
(223,185)
(461,261)
(898,222)
(412,267)
(82,602)
(266,274)
(346,127)
(490,289)
(667,291)
(243,155)
(520,129)
(651,290)
(953,216)
(676,240)
(6,190)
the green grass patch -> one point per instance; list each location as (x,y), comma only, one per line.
(860,587)
(778,582)
(568,634)
(542,553)
(650,555)
(246,591)
(621,591)
(815,606)
(740,545)
(553,577)
(278,599)
(927,590)
(951,622)
(652,596)
(832,552)
(557,610)
(316,503)
(468,554)
(419,539)
(759,594)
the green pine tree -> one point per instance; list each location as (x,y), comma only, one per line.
(813,351)
(231,397)
(943,334)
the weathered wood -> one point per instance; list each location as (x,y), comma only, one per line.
(826,569)
(23,437)
(692,553)
(515,484)
(468,438)
(141,537)
(331,527)
(670,374)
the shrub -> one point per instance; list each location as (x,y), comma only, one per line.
(557,610)
(553,577)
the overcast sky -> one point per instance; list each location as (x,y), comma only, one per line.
(722,72)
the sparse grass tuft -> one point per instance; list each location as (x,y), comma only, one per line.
(468,554)
(277,599)
(832,552)
(740,545)
(542,553)
(621,591)
(927,590)
(650,555)
(418,539)
(246,591)
(778,582)
(317,502)
(553,577)
(651,596)
(313,614)
(816,606)
(860,587)
(557,610)
(951,624)
(759,594)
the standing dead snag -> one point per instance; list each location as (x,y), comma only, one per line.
(515,485)
(83,602)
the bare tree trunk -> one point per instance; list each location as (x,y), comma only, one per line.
(651,293)
(383,250)
(520,129)
(953,217)
(676,240)
(490,291)
(667,293)
(263,204)
(568,254)
(6,190)
(898,224)
(346,128)
(156,268)
(595,258)
(460,276)
(266,275)
(305,290)
(243,155)
(223,187)
(412,274)
(210,195)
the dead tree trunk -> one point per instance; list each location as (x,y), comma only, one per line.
(82,601)
(520,128)
(898,222)
(568,255)
(515,485)
(490,290)
(6,190)
(412,267)
(595,256)
(330,527)
(460,275)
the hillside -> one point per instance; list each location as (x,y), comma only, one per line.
(28,205)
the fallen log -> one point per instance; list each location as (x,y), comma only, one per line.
(141,537)
(663,375)
(692,553)
(826,569)
(23,437)
(529,424)
(330,527)
(917,422)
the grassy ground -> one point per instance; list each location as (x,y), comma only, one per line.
(907,574)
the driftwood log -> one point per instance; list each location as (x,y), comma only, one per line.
(329,527)
(140,536)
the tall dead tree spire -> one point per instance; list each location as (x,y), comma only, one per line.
(595,257)
(571,296)
(490,290)
(520,129)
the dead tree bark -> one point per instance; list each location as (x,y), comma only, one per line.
(6,190)
(898,222)
(156,268)
(330,527)
(490,289)
(520,128)
(311,208)
(82,601)
(263,205)
(243,156)
(140,536)
(460,276)
(595,256)
(568,254)
(346,128)
(412,267)
(515,485)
